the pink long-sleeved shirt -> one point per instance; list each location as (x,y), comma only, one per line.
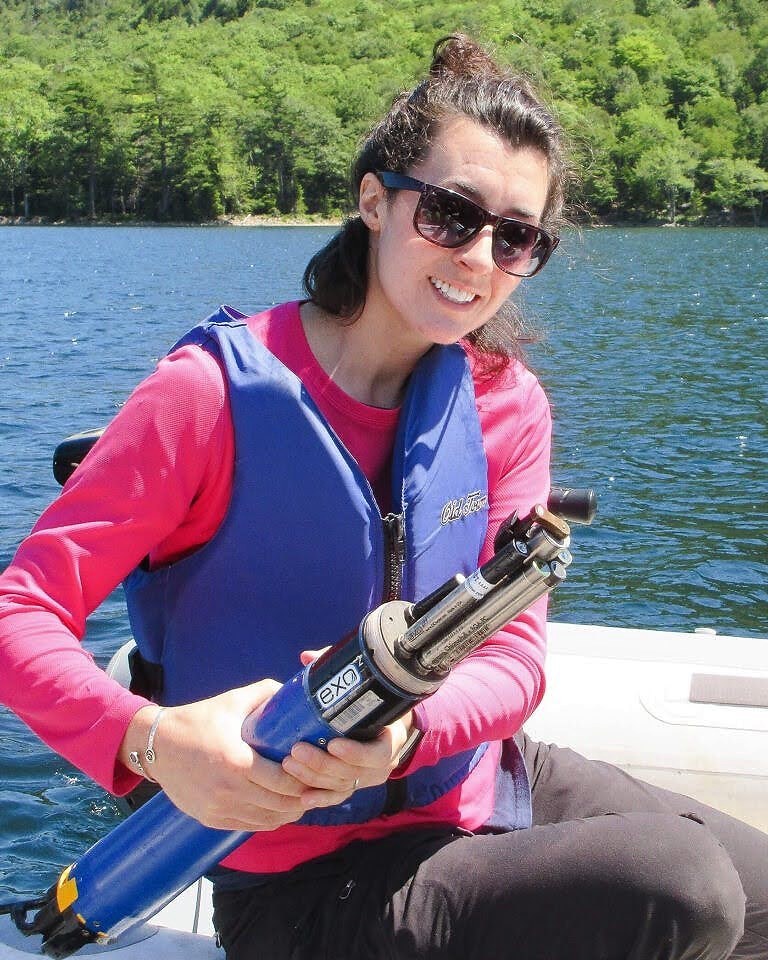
(158,485)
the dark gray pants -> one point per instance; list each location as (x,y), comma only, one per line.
(612,869)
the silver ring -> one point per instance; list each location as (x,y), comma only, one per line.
(356,784)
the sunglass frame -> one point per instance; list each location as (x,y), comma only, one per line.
(400,181)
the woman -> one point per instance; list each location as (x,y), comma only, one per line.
(251,492)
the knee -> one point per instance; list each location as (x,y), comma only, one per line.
(704,903)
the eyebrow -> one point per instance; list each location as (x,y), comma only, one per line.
(474,194)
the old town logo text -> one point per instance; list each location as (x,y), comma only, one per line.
(457,509)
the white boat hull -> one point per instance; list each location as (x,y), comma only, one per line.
(623,696)
(181,931)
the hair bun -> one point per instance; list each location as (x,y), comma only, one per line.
(460,56)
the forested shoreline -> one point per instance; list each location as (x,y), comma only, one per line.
(196,110)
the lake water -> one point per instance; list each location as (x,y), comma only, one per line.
(653,352)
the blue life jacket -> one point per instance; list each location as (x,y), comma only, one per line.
(302,553)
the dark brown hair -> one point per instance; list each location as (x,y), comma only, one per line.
(465,81)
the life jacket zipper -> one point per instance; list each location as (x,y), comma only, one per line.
(394,555)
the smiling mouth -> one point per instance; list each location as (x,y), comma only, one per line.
(454,294)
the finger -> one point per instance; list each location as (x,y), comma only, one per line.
(253,695)
(316,768)
(273,778)
(307,656)
(250,806)
(258,798)
(244,797)
(253,820)
(370,754)
(324,798)
(344,782)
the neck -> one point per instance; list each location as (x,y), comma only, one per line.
(360,359)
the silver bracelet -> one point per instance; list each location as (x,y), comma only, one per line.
(149,751)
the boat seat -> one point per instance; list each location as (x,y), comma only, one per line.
(729,689)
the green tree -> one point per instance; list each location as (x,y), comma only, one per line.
(756,72)
(714,123)
(689,82)
(26,122)
(656,161)
(182,119)
(665,173)
(593,136)
(296,151)
(641,51)
(754,135)
(84,137)
(737,185)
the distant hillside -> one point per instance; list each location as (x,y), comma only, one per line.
(193,109)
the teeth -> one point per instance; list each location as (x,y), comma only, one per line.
(452,293)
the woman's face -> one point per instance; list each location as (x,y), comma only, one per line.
(423,293)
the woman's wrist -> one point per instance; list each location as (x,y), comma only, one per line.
(138,750)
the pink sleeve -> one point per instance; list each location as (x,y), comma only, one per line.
(490,694)
(132,492)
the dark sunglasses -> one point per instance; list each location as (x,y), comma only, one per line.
(449,219)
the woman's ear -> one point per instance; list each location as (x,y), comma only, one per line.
(371,201)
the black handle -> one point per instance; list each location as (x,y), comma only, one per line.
(71,452)
(575,504)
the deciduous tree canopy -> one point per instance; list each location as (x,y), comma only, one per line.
(194,109)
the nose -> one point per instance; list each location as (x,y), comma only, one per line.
(477,254)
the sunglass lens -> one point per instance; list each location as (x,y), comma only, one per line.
(447,219)
(518,248)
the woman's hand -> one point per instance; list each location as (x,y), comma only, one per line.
(211,774)
(346,765)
